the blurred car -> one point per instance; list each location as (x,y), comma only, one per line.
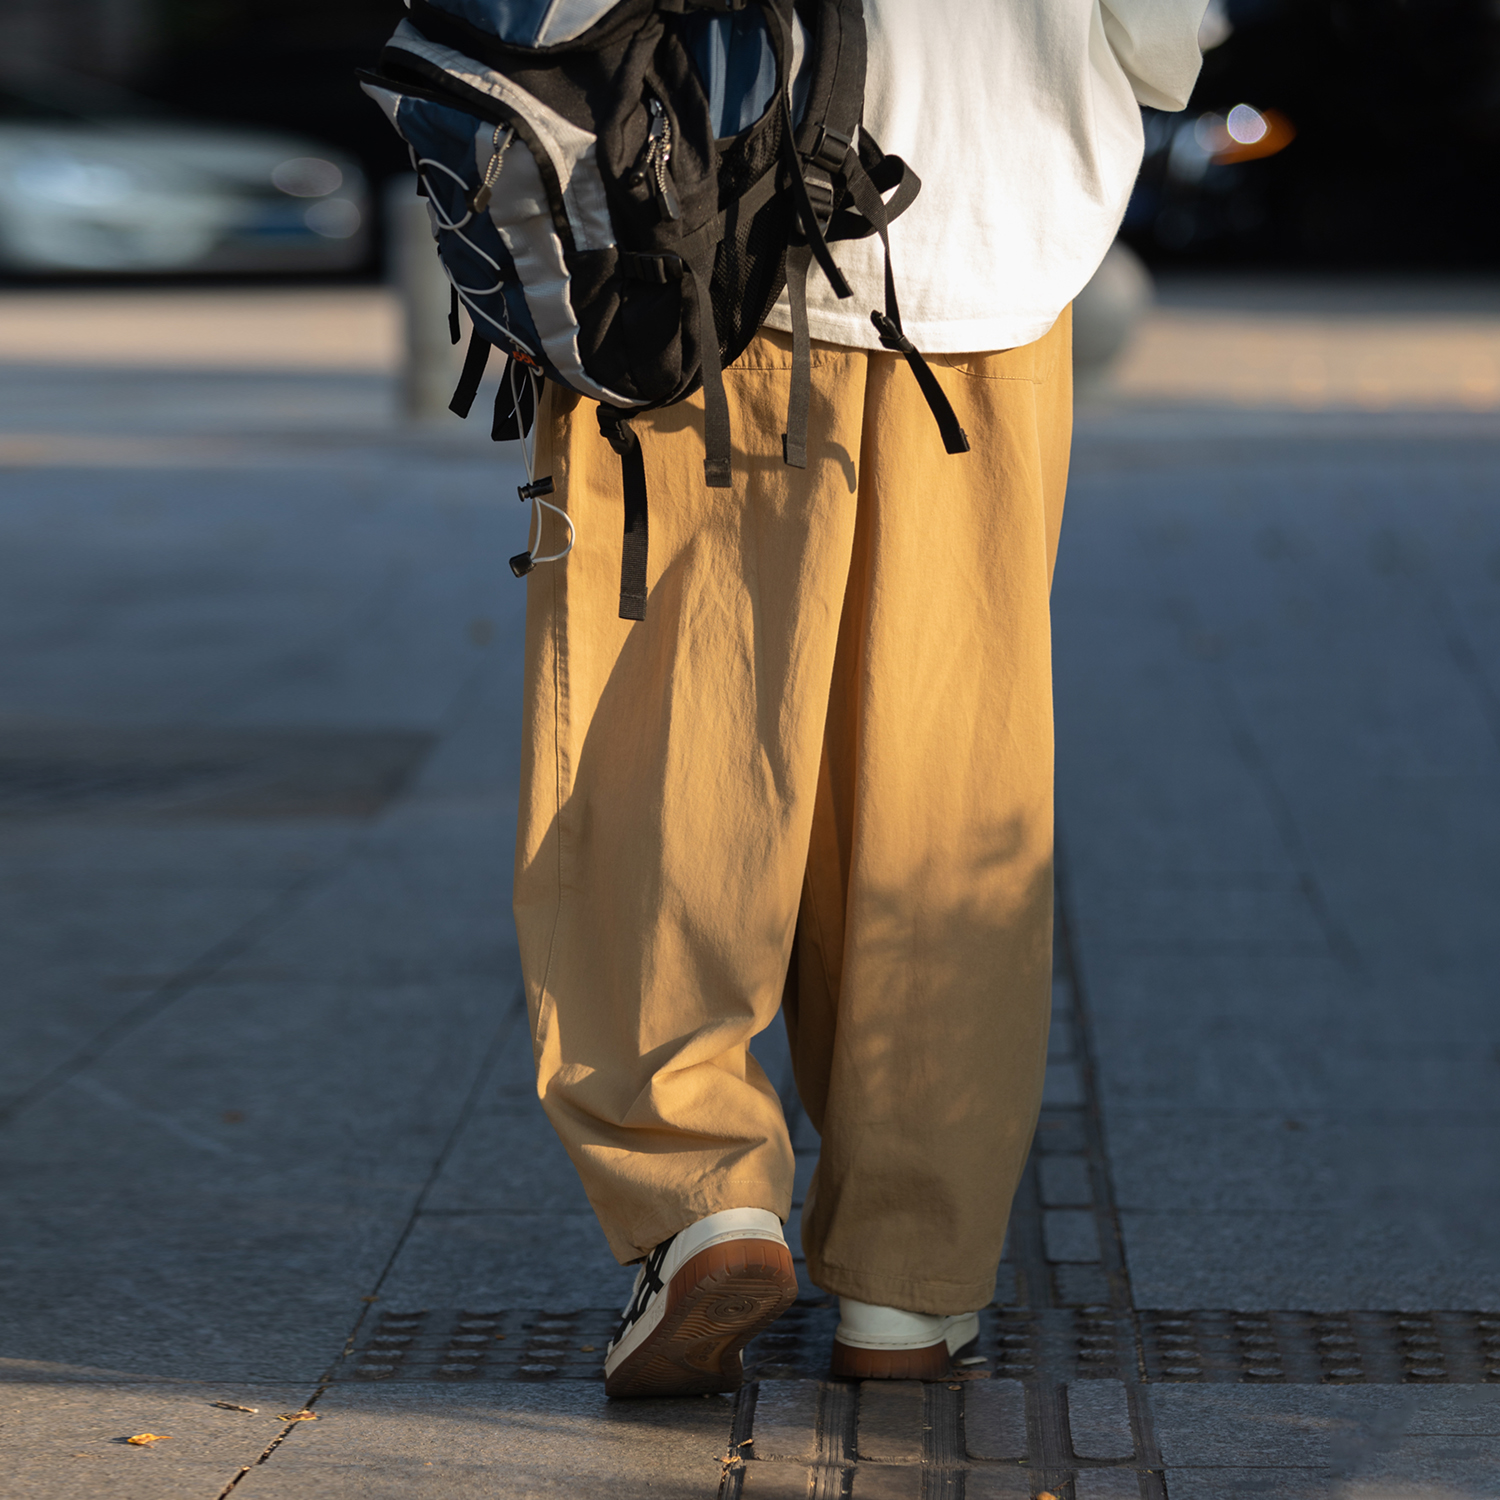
(1200,182)
(94,180)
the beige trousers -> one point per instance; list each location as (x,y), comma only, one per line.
(818,774)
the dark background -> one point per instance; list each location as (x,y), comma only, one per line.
(1396,104)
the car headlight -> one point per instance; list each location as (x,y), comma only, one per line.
(307,177)
(68,181)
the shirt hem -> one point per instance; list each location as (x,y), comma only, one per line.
(957,336)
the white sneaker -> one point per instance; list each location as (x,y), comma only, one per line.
(886,1343)
(699,1298)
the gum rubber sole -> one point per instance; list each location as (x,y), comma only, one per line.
(716,1303)
(851,1363)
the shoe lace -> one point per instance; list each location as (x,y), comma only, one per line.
(648,1283)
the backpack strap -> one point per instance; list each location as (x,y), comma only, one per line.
(835,160)
(794,439)
(836,91)
(716,432)
(614,423)
(830,122)
(476,358)
(515,402)
(856,178)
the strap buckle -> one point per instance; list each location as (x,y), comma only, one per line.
(820,194)
(829,149)
(617,431)
(891,336)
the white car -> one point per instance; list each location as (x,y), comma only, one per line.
(91,181)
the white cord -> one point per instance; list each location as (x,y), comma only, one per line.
(456,227)
(444,222)
(556,510)
(528,457)
(514,371)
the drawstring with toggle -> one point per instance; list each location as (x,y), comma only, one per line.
(522,415)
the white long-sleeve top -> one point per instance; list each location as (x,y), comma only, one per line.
(1021,119)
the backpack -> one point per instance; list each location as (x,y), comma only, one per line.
(620,189)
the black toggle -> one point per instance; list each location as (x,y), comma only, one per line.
(521,564)
(536,489)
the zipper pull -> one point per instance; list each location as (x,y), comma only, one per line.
(480,197)
(651,165)
(644,162)
(669,205)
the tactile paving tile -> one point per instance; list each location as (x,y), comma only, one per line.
(1304,1348)
(464,1345)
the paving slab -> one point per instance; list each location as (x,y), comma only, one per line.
(1279,786)
(1434,1441)
(62,1439)
(253,1199)
(555,1440)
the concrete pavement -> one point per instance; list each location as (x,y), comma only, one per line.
(269,1134)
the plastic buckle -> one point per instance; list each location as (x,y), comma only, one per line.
(830,149)
(617,433)
(820,195)
(891,336)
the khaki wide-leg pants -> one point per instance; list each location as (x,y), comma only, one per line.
(820,768)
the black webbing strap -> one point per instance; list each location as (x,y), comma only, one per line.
(716,435)
(868,201)
(888,174)
(807,217)
(515,403)
(836,90)
(455,333)
(622,438)
(704,240)
(955,439)
(794,439)
(477,357)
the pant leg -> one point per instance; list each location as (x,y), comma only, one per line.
(669,775)
(920,998)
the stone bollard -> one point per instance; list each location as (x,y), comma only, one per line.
(1105,313)
(430,361)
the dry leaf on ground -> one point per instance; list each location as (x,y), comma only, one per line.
(145,1439)
(297,1416)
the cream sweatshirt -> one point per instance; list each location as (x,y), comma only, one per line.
(1021,119)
